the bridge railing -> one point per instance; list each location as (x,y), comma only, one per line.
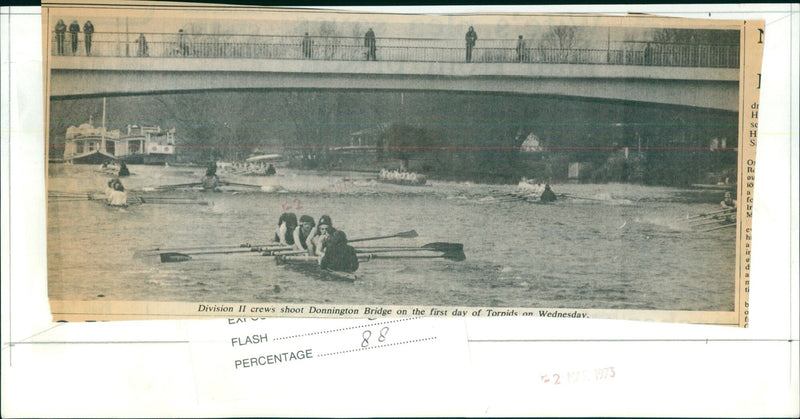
(332,48)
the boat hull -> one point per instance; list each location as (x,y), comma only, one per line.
(404,182)
(149,159)
(95,157)
(308,265)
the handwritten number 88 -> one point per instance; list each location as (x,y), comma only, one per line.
(368,333)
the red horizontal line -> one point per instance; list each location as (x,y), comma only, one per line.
(509,148)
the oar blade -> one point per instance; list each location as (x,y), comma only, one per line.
(455,255)
(408,234)
(171,257)
(444,247)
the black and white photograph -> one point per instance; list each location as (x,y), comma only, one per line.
(230,210)
(346,164)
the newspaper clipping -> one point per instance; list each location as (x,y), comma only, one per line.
(260,162)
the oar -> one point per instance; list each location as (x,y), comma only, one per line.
(182,185)
(456,255)
(284,252)
(177,203)
(435,246)
(580,197)
(711,213)
(708,222)
(157,250)
(165,198)
(224,183)
(68,195)
(721,227)
(180,257)
(251,247)
(714,214)
(404,235)
(51,199)
(282,259)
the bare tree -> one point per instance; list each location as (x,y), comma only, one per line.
(562,39)
(695,36)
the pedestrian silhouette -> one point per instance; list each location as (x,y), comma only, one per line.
(74,29)
(307,46)
(521,49)
(61,30)
(141,50)
(183,47)
(471,37)
(88,30)
(369,42)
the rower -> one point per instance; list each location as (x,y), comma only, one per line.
(317,238)
(339,256)
(110,186)
(210,181)
(548,195)
(123,169)
(728,202)
(302,232)
(118,196)
(284,233)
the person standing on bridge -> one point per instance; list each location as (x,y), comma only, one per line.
(141,50)
(521,49)
(648,54)
(369,42)
(61,30)
(471,37)
(306,45)
(74,29)
(88,30)
(183,47)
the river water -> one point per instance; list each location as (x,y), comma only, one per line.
(618,247)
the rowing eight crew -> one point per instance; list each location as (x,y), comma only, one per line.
(319,239)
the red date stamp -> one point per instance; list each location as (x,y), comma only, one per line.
(581,376)
(345,185)
(294,205)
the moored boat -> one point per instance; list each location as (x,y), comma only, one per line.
(397,177)
(145,144)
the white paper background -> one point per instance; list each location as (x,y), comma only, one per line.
(149,368)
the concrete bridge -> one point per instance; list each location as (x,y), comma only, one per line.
(629,75)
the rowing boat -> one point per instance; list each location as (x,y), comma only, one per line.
(309,265)
(223,186)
